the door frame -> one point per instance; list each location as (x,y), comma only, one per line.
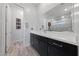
(6,19)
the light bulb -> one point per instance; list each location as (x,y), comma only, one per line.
(65,9)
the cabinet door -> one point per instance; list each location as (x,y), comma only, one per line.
(57,48)
(32,39)
(70,50)
(55,51)
(42,46)
(36,42)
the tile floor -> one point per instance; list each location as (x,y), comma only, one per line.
(17,49)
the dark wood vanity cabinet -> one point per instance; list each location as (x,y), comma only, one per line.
(42,46)
(50,47)
(39,44)
(34,41)
(57,48)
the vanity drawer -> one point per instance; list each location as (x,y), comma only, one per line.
(61,48)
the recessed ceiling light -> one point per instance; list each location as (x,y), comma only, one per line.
(75,13)
(65,9)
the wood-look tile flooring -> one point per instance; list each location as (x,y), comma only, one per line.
(17,49)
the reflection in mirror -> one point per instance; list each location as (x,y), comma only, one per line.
(59,18)
(76,18)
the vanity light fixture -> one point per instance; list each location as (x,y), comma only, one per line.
(76,5)
(65,9)
(62,16)
(21,12)
(52,19)
(75,13)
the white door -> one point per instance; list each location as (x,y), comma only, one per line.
(14,12)
(8,27)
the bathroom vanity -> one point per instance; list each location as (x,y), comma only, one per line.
(59,32)
(51,45)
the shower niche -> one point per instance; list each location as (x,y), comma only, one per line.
(18,23)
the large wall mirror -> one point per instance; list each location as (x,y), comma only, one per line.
(59,18)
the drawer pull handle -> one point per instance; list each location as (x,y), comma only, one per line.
(56,44)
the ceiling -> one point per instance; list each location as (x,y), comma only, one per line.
(36,4)
(26,4)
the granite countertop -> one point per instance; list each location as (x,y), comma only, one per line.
(67,37)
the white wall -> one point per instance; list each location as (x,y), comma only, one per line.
(45,7)
(2,29)
(30,17)
(76,29)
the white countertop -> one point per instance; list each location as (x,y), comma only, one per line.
(68,37)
